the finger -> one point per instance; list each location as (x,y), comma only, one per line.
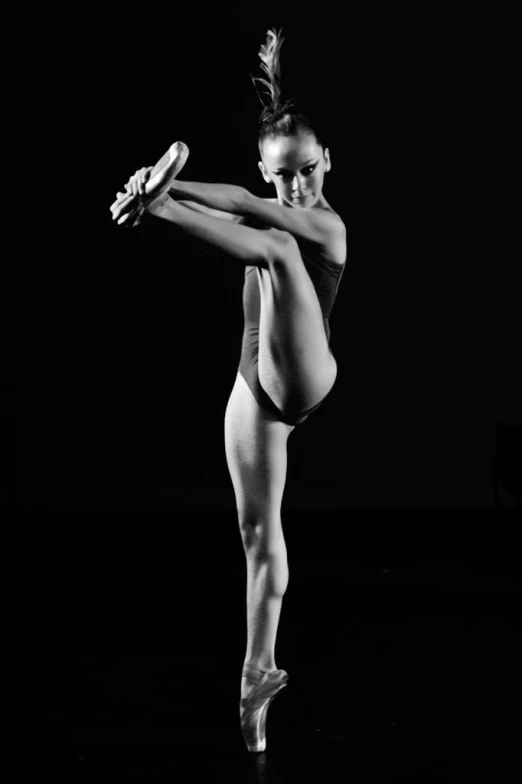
(141,182)
(132,184)
(122,217)
(130,217)
(120,207)
(116,212)
(139,177)
(122,200)
(120,197)
(115,206)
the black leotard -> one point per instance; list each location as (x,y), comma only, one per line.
(325,278)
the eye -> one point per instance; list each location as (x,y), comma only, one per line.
(307,171)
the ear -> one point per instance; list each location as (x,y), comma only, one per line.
(328,165)
(264,172)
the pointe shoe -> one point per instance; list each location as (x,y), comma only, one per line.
(167,169)
(253,709)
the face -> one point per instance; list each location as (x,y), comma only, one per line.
(296,165)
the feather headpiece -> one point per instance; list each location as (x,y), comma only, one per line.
(270,63)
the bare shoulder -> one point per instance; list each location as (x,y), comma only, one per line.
(333,216)
(317,228)
(326,213)
(331,223)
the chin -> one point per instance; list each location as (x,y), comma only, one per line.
(310,201)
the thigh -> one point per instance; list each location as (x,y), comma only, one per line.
(296,366)
(256,451)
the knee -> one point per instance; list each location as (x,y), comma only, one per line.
(283,248)
(261,533)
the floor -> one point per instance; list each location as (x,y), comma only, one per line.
(400,634)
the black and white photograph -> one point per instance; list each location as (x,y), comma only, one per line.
(263,434)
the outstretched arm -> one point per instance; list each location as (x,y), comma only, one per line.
(319,228)
(226,198)
(316,226)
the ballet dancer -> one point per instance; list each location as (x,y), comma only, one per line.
(293,250)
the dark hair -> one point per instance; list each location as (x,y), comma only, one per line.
(279,117)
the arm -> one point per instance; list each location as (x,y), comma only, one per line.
(228,216)
(225,198)
(319,227)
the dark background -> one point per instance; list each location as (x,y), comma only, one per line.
(125,343)
(124,636)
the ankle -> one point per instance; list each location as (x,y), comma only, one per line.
(157,203)
(259,666)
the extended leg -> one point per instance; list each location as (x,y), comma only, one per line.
(296,367)
(251,247)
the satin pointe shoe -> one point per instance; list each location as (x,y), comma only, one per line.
(253,709)
(164,172)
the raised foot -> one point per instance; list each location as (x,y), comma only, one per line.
(166,169)
(158,183)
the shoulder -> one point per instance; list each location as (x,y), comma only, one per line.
(318,228)
(335,247)
(325,214)
(332,216)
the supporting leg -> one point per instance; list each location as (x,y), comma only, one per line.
(267,581)
(255,444)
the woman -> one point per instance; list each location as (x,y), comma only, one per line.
(293,249)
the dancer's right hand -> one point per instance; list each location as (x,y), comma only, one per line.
(132,199)
(136,184)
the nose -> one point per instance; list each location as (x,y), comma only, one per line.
(297,186)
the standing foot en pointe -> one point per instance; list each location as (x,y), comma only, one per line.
(258,688)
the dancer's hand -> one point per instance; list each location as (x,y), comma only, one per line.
(136,184)
(130,203)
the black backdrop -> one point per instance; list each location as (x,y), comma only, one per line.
(125,345)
